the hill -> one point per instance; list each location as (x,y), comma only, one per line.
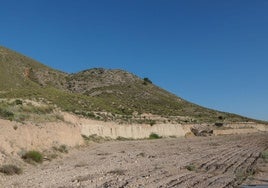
(110,95)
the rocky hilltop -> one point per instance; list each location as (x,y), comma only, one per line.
(45,113)
(99,93)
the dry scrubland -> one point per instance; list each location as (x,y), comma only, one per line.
(217,161)
(50,111)
(187,161)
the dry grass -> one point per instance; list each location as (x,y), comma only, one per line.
(264,155)
(10,169)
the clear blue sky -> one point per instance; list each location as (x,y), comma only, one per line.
(211,52)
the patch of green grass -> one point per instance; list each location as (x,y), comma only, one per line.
(154,136)
(10,169)
(33,156)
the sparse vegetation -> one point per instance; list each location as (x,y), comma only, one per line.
(35,110)
(191,167)
(152,122)
(33,156)
(95,138)
(147,81)
(120,138)
(154,136)
(6,114)
(96,90)
(214,144)
(119,172)
(264,155)
(51,156)
(18,102)
(10,169)
(241,175)
(142,154)
(62,148)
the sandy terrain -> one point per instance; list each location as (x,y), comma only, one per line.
(16,137)
(20,137)
(217,161)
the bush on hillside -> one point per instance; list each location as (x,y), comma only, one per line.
(147,81)
(6,114)
(33,156)
(154,136)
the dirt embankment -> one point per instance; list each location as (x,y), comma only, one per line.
(17,137)
(197,162)
(136,131)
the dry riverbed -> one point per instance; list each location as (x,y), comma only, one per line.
(216,161)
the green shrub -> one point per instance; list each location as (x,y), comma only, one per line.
(10,169)
(191,167)
(147,81)
(6,114)
(264,155)
(33,156)
(152,122)
(18,102)
(154,136)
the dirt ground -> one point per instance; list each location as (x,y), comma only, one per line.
(216,161)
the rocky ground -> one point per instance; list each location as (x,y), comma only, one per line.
(216,161)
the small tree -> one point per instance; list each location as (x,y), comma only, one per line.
(147,81)
(154,136)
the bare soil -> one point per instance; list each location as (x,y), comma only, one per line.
(217,161)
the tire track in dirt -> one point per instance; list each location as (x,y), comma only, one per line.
(241,161)
(217,162)
(236,163)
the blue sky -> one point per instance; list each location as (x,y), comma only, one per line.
(211,52)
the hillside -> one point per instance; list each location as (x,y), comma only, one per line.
(98,93)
